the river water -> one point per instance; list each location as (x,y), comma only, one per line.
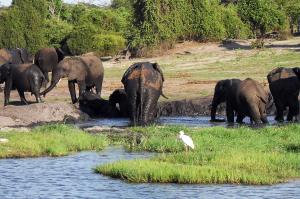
(199,121)
(73,177)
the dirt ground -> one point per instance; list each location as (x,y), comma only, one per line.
(191,70)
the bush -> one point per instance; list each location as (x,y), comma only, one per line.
(108,44)
(56,31)
(234,26)
(81,39)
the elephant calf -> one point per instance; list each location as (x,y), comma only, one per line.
(252,101)
(225,91)
(119,99)
(23,77)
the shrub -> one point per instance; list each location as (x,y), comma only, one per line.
(56,30)
(108,44)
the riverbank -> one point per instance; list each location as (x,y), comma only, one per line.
(49,140)
(235,156)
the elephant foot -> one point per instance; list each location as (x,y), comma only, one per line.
(217,120)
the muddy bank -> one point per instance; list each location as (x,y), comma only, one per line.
(39,113)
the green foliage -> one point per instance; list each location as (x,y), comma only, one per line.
(49,140)
(56,30)
(108,44)
(238,156)
(234,26)
(18,29)
(81,38)
(262,15)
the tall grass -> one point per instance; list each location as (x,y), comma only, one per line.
(49,140)
(242,156)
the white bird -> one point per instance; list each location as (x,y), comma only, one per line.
(3,140)
(187,141)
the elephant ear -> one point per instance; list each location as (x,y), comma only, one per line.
(157,67)
(129,71)
(23,55)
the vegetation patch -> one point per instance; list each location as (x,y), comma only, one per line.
(238,156)
(49,140)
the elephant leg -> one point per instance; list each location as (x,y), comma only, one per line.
(240,118)
(46,77)
(293,108)
(71,85)
(254,112)
(82,87)
(22,97)
(35,89)
(134,111)
(7,89)
(229,113)
(263,113)
(98,86)
(279,111)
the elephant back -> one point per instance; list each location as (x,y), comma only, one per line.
(280,73)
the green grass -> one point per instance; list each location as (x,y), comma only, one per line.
(240,156)
(49,140)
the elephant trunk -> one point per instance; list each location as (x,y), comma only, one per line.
(54,81)
(213,110)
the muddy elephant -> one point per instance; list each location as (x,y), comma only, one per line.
(47,59)
(86,71)
(119,99)
(96,107)
(15,56)
(24,78)
(143,84)
(225,91)
(284,84)
(252,101)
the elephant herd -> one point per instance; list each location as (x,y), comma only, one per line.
(143,83)
(248,97)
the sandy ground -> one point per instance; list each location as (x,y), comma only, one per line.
(189,70)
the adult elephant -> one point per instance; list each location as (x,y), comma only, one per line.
(225,91)
(86,71)
(47,59)
(119,99)
(15,56)
(284,84)
(24,78)
(252,101)
(143,84)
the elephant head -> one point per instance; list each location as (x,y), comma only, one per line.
(223,92)
(63,69)
(5,72)
(118,99)
(297,72)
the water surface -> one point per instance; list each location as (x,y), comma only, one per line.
(73,177)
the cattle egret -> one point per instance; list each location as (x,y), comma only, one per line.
(3,140)
(187,141)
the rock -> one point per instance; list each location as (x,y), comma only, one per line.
(38,113)
(18,129)
(100,129)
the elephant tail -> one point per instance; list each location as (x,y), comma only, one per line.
(142,83)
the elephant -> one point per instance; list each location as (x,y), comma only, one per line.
(86,71)
(24,78)
(15,56)
(47,59)
(225,91)
(143,82)
(96,107)
(252,100)
(284,84)
(119,98)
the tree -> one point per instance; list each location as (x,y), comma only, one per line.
(292,10)
(55,7)
(262,15)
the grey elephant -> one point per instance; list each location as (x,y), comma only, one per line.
(15,56)
(284,84)
(86,71)
(252,101)
(24,78)
(143,83)
(225,91)
(47,59)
